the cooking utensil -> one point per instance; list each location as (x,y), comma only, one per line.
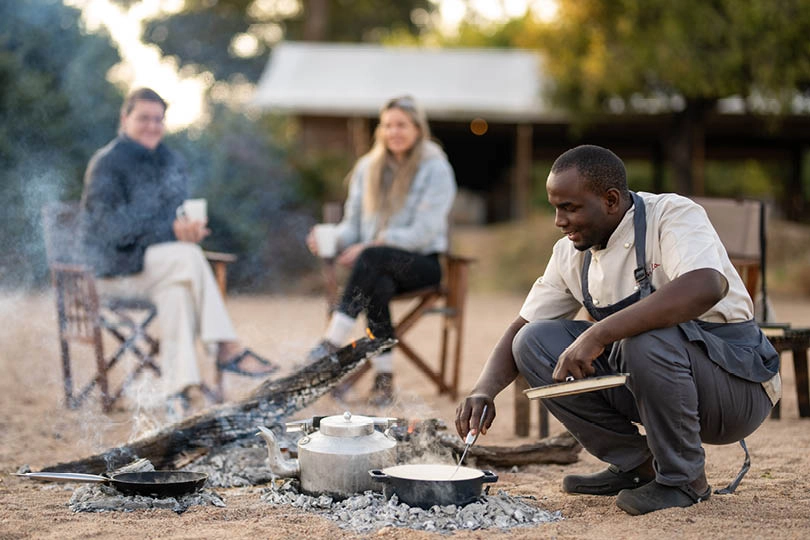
(576,386)
(150,483)
(335,459)
(428,485)
(470,439)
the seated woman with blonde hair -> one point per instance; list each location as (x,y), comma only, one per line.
(393,230)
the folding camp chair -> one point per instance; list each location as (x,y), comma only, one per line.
(85,316)
(446,299)
(741,225)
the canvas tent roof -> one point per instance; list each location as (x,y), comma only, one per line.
(356,79)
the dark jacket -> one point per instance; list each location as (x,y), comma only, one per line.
(130,198)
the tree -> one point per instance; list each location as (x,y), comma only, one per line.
(56,108)
(256,207)
(231,38)
(679,57)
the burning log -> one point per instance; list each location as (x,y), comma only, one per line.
(268,405)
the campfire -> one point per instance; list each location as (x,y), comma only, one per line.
(221,444)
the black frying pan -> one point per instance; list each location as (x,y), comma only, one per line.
(152,483)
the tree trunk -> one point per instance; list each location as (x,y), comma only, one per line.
(316,19)
(269,405)
(794,201)
(687,150)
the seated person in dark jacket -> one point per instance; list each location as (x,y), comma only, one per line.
(138,247)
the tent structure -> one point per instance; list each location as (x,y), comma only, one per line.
(487,108)
(335,79)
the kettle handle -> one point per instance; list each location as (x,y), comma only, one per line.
(378,475)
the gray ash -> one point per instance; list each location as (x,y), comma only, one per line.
(101,498)
(371,511)
(234,466)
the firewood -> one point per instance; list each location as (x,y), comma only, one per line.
(562,449)
(268,405)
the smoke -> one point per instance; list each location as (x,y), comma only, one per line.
(148,406)
(41,182)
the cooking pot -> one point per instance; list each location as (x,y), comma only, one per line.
(428,485)
(335,459)
(149,483)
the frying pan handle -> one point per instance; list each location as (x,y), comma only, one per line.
(489,476)
(378,476)
(65,477)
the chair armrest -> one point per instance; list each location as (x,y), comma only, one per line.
(218,256)
(219,262)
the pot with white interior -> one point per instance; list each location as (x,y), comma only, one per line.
(428,485)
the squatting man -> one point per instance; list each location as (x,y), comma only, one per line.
(668,308)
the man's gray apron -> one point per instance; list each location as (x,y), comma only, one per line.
(717,348)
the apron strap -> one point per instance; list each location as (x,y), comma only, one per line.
(640,224)
(745,466)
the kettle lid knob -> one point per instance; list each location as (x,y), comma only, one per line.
(347,416)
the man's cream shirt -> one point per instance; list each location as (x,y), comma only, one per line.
(679,239)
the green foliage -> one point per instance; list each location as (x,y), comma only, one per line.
(202,33)
(255,204)
(747,178)
(56,108)
(322,176)
(698,50)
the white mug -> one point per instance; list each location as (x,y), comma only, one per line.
(326,239)
(194,210)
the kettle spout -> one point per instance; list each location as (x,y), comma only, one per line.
(280,467)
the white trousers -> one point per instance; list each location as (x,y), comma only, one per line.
(177,278)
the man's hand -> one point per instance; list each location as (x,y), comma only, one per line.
(577,359)
(189,231)
(468,413)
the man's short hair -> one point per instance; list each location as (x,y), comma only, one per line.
(601,168)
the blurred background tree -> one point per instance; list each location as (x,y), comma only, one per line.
(258,209)
(658,56)
(231,38)
(605,58)
(56,109)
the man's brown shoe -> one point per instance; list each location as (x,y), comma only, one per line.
(608,482)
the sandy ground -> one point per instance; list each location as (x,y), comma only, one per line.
(773,501)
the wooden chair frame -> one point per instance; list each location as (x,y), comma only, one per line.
(448,300)
(84,315)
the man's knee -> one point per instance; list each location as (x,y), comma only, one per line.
(645,349)
(531,347)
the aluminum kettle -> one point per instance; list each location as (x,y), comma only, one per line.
(335,459)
